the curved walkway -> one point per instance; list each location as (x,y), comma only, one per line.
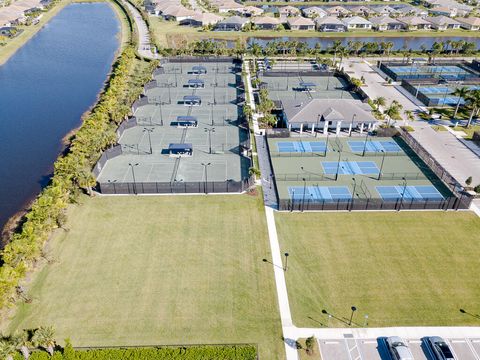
(144,48)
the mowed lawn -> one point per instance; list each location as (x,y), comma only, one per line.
(407,268)
(160,270)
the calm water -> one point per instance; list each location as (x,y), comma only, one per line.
(399,43)
(45,88)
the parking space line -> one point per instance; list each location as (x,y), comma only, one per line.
(457,341)
(330,342)
(452,349)
(472,349)
(369,341)
(415,341)
(320,349)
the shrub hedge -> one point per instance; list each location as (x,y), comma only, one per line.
(236,352)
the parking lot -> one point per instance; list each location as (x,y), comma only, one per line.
(376,349)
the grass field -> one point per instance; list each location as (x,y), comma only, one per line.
(159,270)
(408,268)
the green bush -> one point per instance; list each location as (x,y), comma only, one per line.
(236,352)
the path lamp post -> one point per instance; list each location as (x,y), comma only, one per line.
(304,191)
(351,124)
(205,165)
(365,145)
(338,164)
(365,323)
(381,166)
(210,131)
(132,166)
(351,316)
(403,192)
(149,131)
(286,262)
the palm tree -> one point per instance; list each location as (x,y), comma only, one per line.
(21,342)
(379,101)
(393,111)
(473,98)
(7,349)
(337,44)
(462,93)
(409,115)
(44,337)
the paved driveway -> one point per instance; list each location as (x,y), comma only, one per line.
(375,349)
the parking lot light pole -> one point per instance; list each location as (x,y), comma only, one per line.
(286,262)
(351,316)
(149,131)
(133,176)
(381,166)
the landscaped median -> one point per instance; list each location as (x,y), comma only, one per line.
(400,269)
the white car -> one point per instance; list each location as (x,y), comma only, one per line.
(398,348)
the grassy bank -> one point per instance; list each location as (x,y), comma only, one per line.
(159,270)
(402,269)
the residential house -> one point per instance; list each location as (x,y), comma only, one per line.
(266,22)
(202,19)
(469,23)
(415,23)
(10,16)
(232,23)
(250,11)
(225,6)
(8,31)
(408,10)
(462,9)
(287,11)
(357,23)
(177,13)
(362,10)
(443,10)
(384,10)
(385,23)
(330,24)
(337,11)
(158,8)
(443,23)
(325,114)
(314,12)
(300,23)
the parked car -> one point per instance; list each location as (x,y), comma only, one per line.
(398,348)
(440,348)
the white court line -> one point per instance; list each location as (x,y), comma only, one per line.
(149,172)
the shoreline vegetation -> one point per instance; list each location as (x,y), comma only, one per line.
(125,38)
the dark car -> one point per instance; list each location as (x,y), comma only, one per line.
(440,348)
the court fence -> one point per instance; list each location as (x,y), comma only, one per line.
(449,203)
(455,187)
(175,187)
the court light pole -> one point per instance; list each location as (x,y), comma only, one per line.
(211,113)
(286,262)
(205,165)
(304,190)
(354,187)
(149,131)
(403,192)
(326,145)
(381,167)
(351,316)
(210,131)
(351,125)
(133,176)
(338,164)
(114,187)
(365,145)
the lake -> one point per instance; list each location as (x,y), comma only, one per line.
(401,42)
(45,88)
